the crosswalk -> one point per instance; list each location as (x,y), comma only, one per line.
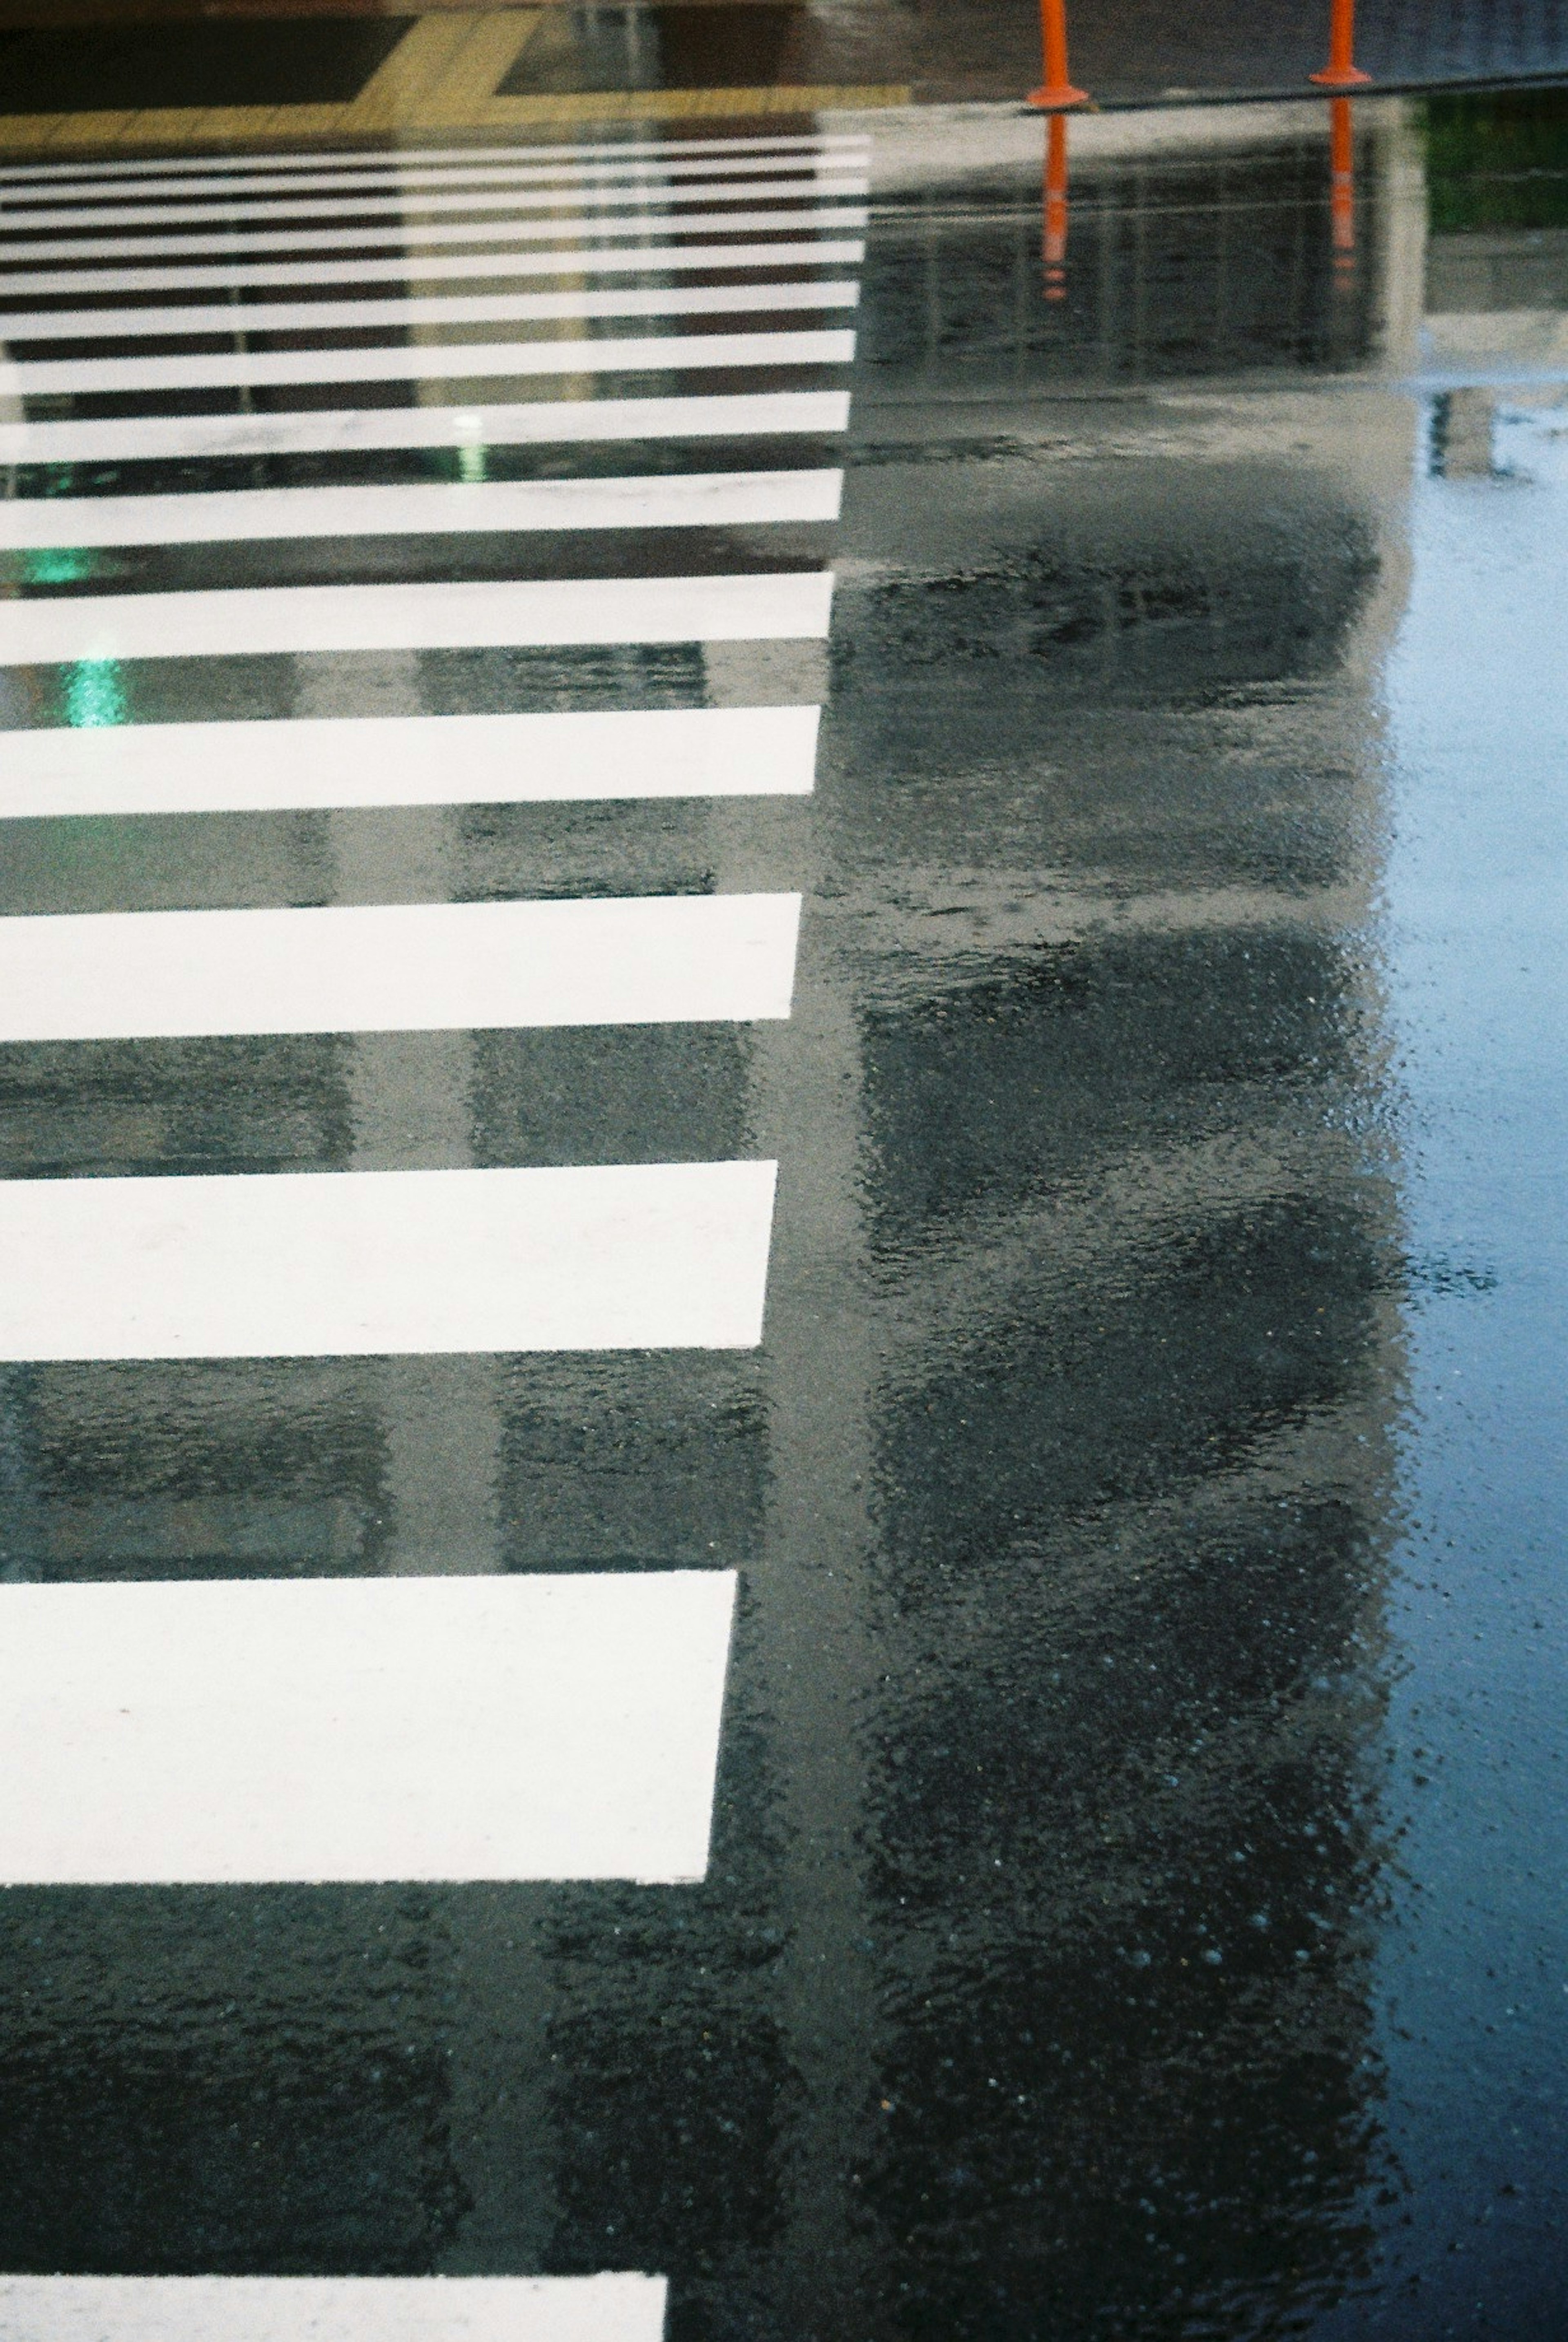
(388,467)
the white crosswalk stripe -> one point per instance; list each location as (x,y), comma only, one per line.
(236,621)
(447,187)
(820,161)
(408,967)
(609,196)
(386,760)
(611,2308)
(713,152)
(647,1255)
(345,430)
(741,218)
(363,1729)
(638,257)
(462,361)
(679,500)
(438,309)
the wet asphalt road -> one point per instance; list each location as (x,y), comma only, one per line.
(1134,1903)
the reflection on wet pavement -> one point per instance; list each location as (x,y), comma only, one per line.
(1134,1904)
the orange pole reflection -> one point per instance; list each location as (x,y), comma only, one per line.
(1340,71)
(1055,90)
(1342,182)
(1056,208)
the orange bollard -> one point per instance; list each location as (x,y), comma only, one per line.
(1340,71)
(1055,90)
(1056,208)
(1341,180)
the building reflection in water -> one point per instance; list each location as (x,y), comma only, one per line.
(1104,788)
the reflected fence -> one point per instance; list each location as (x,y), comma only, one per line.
(1058,96)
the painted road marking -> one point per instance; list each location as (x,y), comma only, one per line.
(649,1255)
(615,2307)
(362,1728)
(27,204)
(583,200)
(346,429)
(379,760)
(255,369)
(397,967)
(853,141)
(574,229)
(573,260)
(425,309)
(659,500)
(787,604)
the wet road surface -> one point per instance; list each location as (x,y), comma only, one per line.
(970,1747)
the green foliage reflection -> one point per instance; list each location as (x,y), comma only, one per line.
(1497,158)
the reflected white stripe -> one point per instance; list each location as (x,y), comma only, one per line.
(339,1264)
(662,500)
(343,429)
(402,967)
(421,309)
(826,142)
(22,208)
(252,765)
(575,261)
(446,617)
(246,369)
(611,2308)
(593,197)
(362,1728)
(415,233)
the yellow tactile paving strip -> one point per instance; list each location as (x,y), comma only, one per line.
(443,76)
